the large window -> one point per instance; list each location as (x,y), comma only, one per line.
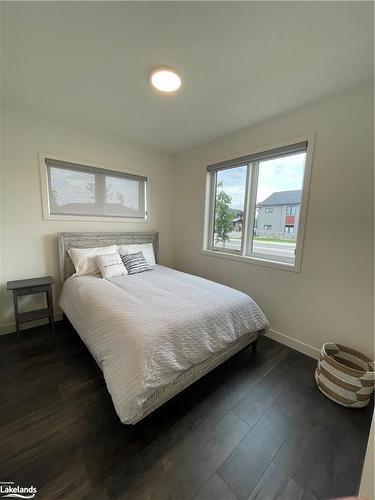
(76,190)
(257,204)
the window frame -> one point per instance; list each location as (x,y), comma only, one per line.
(244,255)
(291,210)
(44,178)
(213,204)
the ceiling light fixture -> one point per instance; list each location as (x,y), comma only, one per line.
(165,79)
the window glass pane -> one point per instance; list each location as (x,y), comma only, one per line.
(278,202)
(229,207)
(84,192)
(122,197)
(71,192)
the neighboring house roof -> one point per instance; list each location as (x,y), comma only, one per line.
(236,212)
(282,198)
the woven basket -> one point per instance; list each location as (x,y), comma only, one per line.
(344,375)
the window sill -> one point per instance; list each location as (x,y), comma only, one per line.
(254,260)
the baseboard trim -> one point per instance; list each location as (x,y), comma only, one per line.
(295,344)
(11,327)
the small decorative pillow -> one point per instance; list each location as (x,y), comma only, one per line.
(111,265)
(135,263)
(146,248)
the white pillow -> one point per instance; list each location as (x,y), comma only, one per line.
(111,265)
(84,259)
(146,248)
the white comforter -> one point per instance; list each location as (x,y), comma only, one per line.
(145,329)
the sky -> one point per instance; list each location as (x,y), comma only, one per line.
(279,174)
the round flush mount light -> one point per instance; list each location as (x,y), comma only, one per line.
(165,79)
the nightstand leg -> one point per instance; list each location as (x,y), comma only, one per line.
(15,302)
(50,307)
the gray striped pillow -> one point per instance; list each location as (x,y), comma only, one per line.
(135,263)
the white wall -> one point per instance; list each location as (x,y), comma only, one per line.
(332,297)
(29,245)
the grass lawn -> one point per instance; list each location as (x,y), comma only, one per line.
(275,240)
(266,238)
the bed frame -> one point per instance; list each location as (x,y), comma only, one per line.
(93,240)
(182,381)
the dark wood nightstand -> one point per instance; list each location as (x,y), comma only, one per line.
(28,287)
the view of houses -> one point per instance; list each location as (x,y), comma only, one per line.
(276,217)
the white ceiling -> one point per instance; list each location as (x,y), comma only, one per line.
(240,62)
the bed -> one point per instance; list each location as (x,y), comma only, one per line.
(154,333)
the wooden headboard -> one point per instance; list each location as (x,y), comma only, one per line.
(92,240)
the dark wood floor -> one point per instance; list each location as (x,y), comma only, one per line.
(252,429)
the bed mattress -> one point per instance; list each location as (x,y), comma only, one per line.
(145,330)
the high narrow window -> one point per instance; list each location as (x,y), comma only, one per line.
(256,205)
(83,190)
